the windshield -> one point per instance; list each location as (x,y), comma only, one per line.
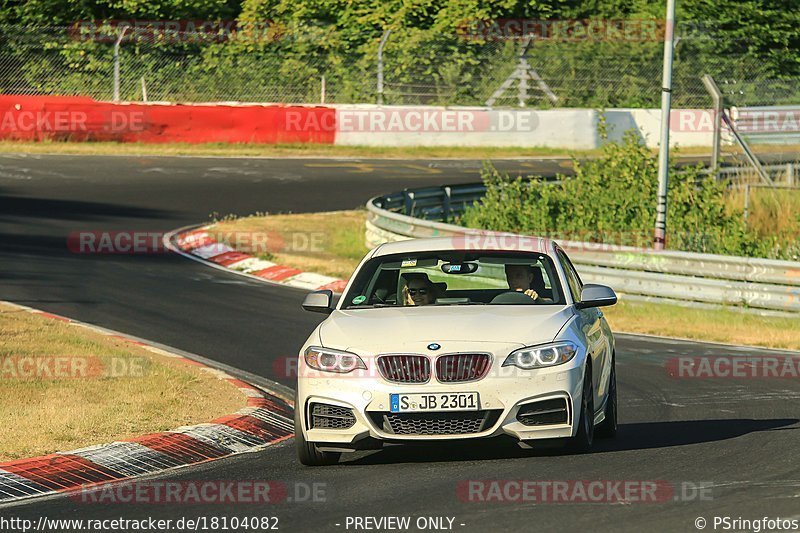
(455,278)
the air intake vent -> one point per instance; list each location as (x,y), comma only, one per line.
(461,367)
(544,413)
(405,368)
(324,416)
(437,423)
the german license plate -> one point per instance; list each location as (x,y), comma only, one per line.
(453,401)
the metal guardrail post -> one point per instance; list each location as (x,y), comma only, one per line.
(408,202)
(446,204)
(716,97)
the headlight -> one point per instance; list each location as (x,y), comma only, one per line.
(541,356)
(329,360)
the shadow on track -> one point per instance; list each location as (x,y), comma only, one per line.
(647,435)
(24,206)
(638,436)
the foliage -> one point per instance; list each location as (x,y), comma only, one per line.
(733,39)
(613,198)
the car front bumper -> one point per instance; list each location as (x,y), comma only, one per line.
(504,392)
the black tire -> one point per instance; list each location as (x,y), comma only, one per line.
(307,452)
(584,438)
(607,429)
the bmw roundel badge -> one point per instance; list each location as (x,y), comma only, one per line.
(434,346)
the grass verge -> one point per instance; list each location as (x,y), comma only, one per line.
(326,243)
(63,387)
(341,238)
(283,150)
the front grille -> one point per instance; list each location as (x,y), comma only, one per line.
(461,367)
(436,423)
(405,368)
(544,413)
(324,416)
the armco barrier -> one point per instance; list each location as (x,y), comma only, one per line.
(754,284)
(83,119)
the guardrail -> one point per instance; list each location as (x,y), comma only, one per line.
(768,125)
(758,285)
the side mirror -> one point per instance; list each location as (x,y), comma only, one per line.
(319,302)
(596,296)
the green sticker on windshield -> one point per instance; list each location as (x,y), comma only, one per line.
(359,299)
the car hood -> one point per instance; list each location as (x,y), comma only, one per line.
(391,329)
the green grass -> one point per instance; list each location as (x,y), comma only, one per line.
(126,391)
(715,325)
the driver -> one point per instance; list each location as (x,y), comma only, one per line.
(419,290)
(520,278)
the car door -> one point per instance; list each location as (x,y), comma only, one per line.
(592,327)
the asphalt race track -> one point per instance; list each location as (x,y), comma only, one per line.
(726,447)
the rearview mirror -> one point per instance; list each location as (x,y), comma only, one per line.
(319,302)
(459,268)
(596,296)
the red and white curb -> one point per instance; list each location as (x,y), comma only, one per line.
(200,245)
(266,420)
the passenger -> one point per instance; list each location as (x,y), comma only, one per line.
(520,278)
(419,290)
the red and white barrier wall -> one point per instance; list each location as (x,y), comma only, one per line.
(85,119)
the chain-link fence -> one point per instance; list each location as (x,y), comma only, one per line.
(420,67)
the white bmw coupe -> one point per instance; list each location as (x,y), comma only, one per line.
(457,338)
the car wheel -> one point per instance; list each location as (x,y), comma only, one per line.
(307,452)
(583,439)
(608,427)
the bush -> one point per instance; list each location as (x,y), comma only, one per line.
(613,198)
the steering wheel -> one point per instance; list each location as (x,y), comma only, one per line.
(513,297)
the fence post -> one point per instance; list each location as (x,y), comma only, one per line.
(144,89)
(716,97)
(380,65)
(746,202)
(790,174)
(322,91)
(116,62)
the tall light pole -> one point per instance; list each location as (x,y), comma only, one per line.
(663,154)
